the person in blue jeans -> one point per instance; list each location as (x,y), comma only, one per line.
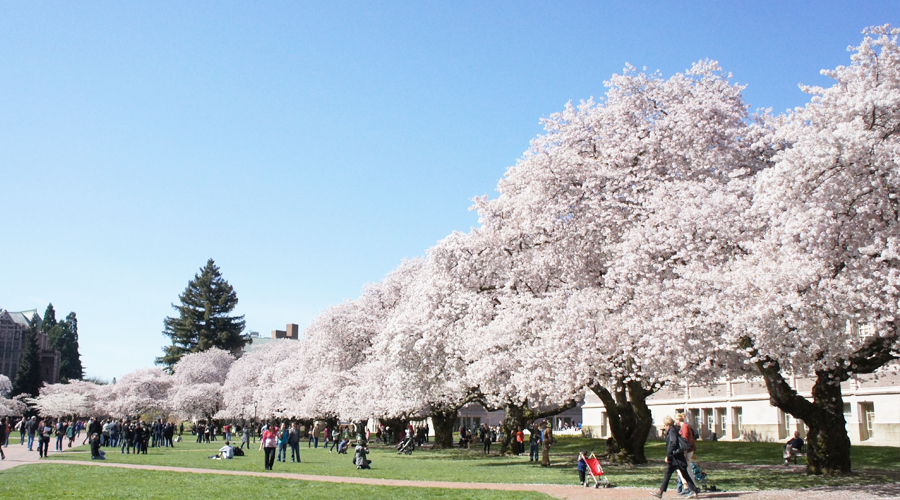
(31,427)
(284,436)
(294,442)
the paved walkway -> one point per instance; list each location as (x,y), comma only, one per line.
(18,455)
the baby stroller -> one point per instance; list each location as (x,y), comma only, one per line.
(700,476)
(596,472)
(406,446)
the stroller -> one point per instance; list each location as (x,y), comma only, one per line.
(702,483)
(406,446)
(596,472)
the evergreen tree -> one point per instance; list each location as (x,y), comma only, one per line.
(49,319)
(203,321)
(64,338)
(28,376)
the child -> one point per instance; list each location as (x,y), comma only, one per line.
(582,466)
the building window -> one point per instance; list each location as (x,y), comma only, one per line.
(737,422)
(867,425)
(784,424)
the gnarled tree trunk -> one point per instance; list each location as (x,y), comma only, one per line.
(629,418)
(828,445)
(443,423)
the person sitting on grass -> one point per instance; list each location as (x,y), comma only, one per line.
(344,445)
(225,453)
(793,448)
(96,453)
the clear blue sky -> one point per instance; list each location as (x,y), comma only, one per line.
(308,147)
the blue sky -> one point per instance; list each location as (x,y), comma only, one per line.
(309,147)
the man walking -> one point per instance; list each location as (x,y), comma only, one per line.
(534,444)
(294,442)
(31,428)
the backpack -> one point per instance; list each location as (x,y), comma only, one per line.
(688,443)
(238,452)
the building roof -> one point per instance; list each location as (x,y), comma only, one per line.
(23,318)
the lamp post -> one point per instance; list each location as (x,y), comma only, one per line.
(255,404)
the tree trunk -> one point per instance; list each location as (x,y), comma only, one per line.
(514,419)
(629,419)
(443,423)
(828,446)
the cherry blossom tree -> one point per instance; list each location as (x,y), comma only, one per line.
(421,346)
(140,392)
(570,212)
(822,266)
(503,315)
(344,378)
(197,380)
(75,398)
(9,407)
(252,385)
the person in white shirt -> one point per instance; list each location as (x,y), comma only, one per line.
(226,452)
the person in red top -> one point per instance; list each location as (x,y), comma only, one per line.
(520,442)
(268,443)
(685,431)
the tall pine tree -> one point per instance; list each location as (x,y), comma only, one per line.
(64,338)
(49,319)
(203,320)
(28,376)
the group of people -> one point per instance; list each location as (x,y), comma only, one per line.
(538,434)
(275,441)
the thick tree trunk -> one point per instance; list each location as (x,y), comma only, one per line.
(443,423)
(629,419)
(828,446)
(514,420)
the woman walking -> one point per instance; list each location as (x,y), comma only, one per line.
(674,460)
(268,443)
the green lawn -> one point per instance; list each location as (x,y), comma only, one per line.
(73,481)
(872,465)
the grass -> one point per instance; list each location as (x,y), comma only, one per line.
(76,482)
(726,463)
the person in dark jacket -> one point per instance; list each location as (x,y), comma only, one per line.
(674,460)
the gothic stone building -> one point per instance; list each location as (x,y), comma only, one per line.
(12,330)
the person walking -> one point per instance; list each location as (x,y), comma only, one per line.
(675,460)
(284,436)
(45,430)
(5,427)
(687,433)
(60,434)
(267,443)
(294,442)
(31,428)
(534,444)
(70,433)
(245,437)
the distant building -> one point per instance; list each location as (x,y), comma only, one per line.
(12,330)
(291,332)
(739,410)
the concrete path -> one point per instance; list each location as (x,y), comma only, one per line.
(18,455)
